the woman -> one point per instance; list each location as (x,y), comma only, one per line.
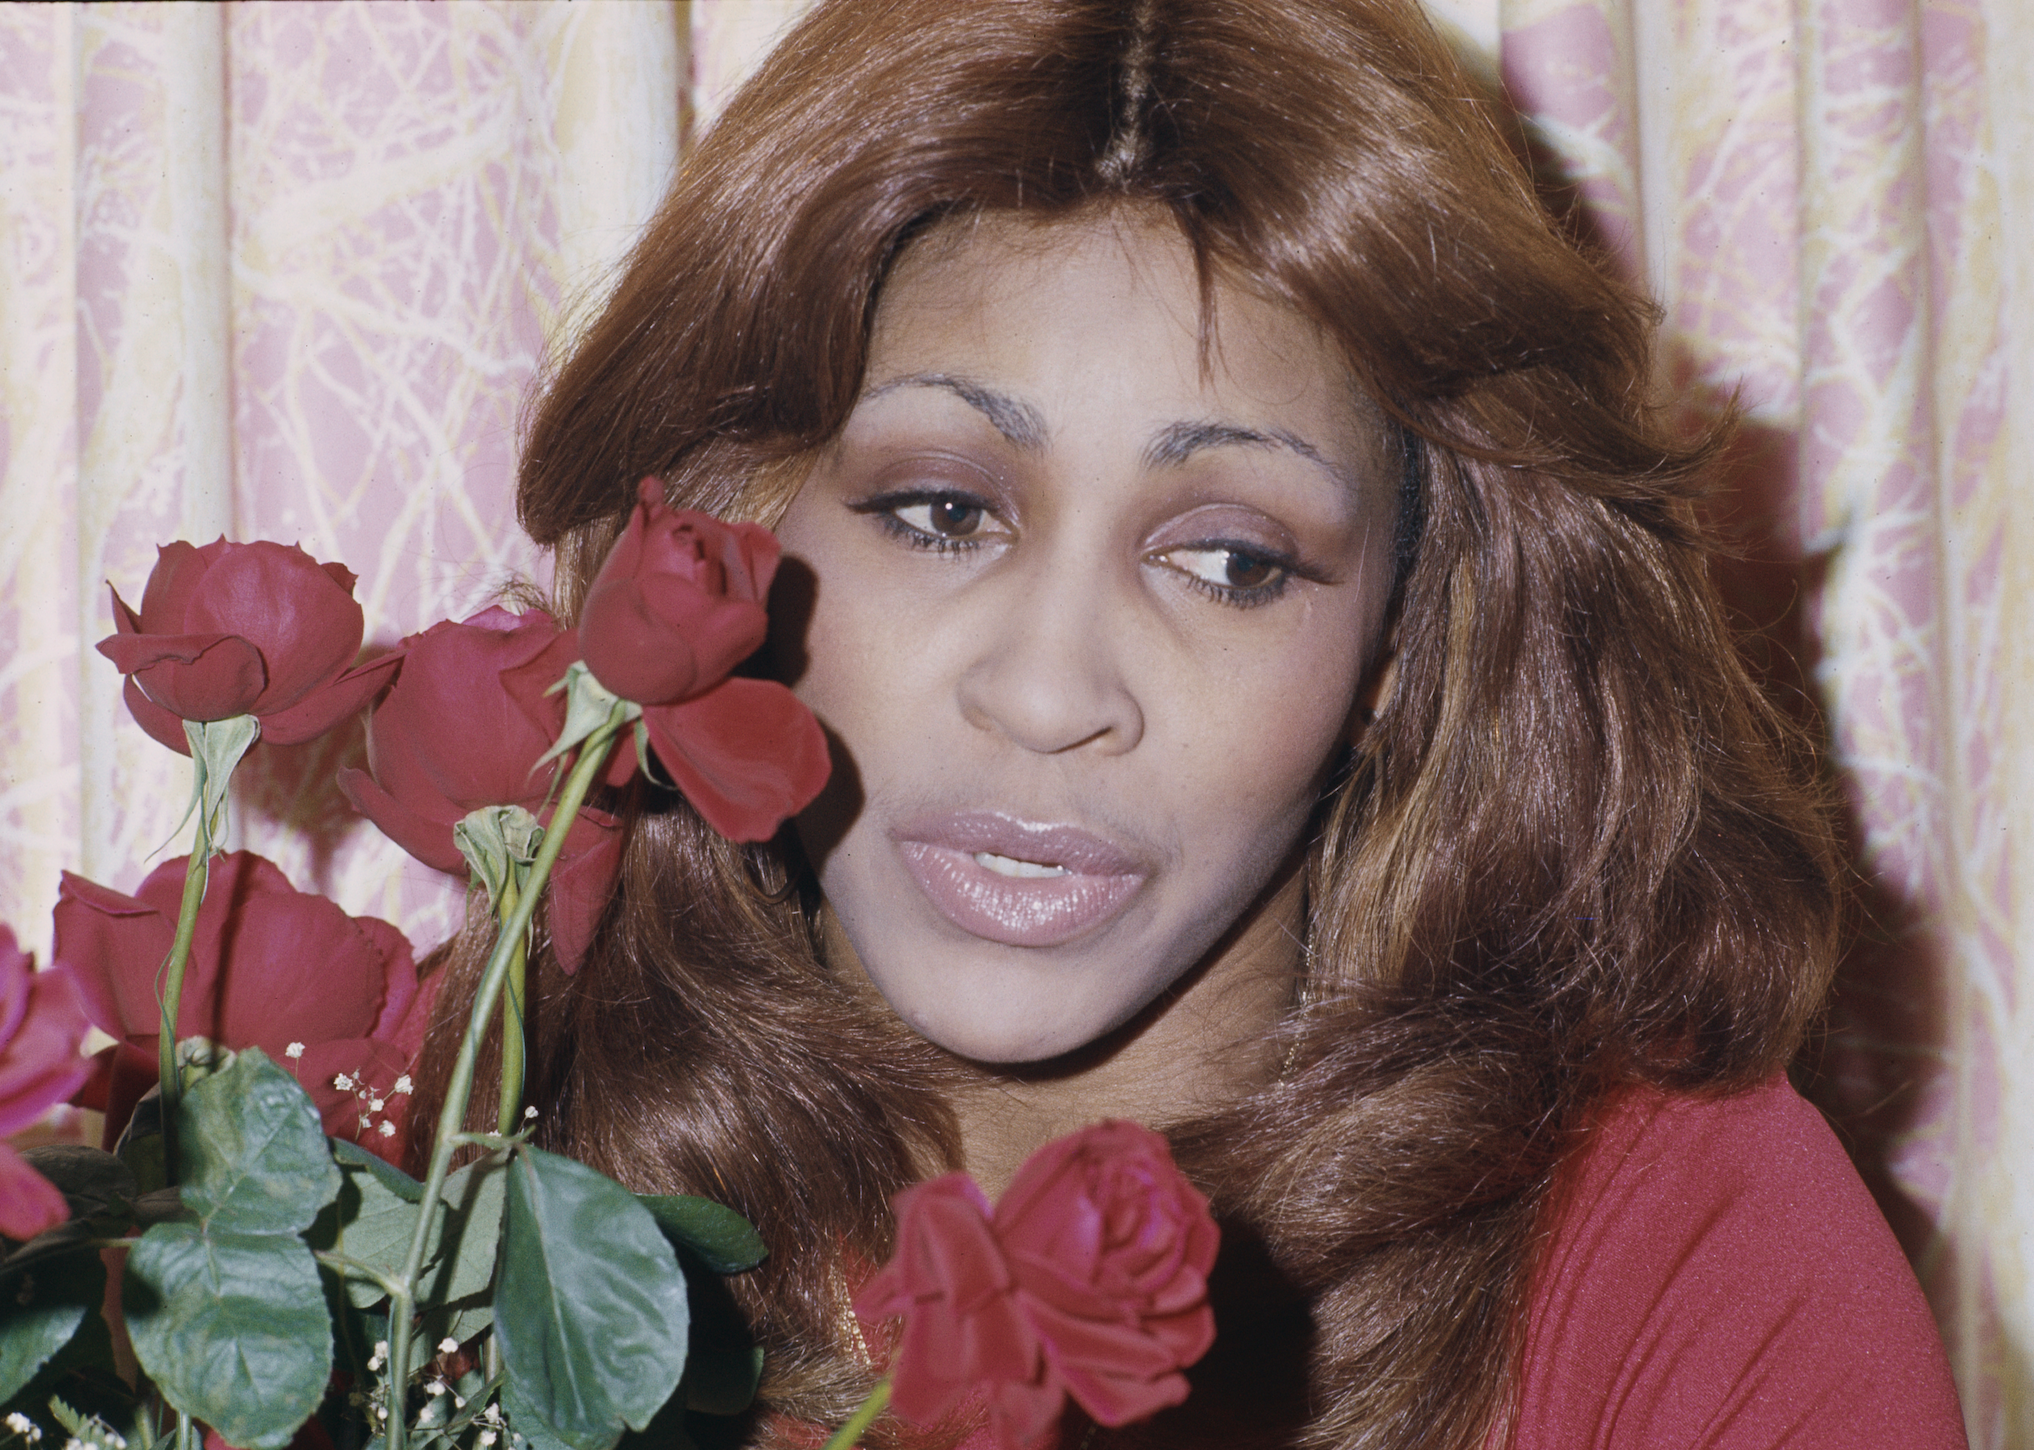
(1276,695)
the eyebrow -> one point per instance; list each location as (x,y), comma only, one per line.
(1018,422)
(1177,442)
(1024,426)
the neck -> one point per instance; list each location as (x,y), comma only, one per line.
(1202,1046)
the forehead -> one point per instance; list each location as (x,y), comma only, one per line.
(1015,298)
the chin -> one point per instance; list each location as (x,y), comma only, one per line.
(1006,1028)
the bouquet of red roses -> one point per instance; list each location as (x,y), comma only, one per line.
(244,1259)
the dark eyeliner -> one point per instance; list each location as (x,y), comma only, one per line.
(883,508)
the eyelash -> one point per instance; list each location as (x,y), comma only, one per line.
(883,508)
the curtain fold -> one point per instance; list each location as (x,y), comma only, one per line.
(290,270)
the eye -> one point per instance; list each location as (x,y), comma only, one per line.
(1233,575)
(943,520)
(947,517)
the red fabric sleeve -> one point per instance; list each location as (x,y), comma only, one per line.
(1719,1277)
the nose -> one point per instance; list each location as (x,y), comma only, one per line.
(1047,667)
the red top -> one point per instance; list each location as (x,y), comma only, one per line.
(1720,1278)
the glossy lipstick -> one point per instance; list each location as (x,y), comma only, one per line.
(1019,884)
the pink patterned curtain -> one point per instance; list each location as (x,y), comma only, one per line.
(288,270)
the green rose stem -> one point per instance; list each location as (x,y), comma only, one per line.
(512,1045)
(845,1437)
(508,946)
(216,748)
(171,999)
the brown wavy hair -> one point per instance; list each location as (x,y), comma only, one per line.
(1573,851)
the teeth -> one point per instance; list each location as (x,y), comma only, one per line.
(1010,866)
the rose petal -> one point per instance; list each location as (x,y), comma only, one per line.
(165,599)
(582,883)
(449,737)
(306,625)
(39,1062)
(113,943)
(193,676)
(430,841)
(159,724)
(747,755)
(323,708)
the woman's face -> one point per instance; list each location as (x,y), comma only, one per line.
(1090,622)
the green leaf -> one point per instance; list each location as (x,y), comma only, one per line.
(527,1423)
(95,1184)
(352,1155)
(373,1224)
(226,1313)
(719,1237)
(255,1159)
(590,1309)
(45,1309)
(232,1328)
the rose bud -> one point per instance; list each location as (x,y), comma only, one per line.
(42,1024)
(678,604)
(271,967)
(1089,1279)
(242,629)
(449,739)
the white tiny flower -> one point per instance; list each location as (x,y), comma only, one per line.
(529,1113)
(74,1443)
(403,1085)
(375,1105)
(458,1402)
(387,1129)
(295,1049)
(487,1437)
(448,1345)
(343,1083)
(366,1122)
(435,1387)
(19,1423)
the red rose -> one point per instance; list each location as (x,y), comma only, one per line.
(42,1024)
(450,738)
(1089,1279)
(271,967)
(242,629)
(678,604)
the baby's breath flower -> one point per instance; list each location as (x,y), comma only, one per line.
(21,1425)
(387,1129)
(529,1113)
(343,1083)
(294,1050)
(375,1105)
(448,1345)
(403,1085)
(487,1437)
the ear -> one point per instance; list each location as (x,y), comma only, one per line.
(1374,693)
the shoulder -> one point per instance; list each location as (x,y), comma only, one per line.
(1716,1275)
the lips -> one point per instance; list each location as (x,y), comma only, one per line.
(1018,884)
